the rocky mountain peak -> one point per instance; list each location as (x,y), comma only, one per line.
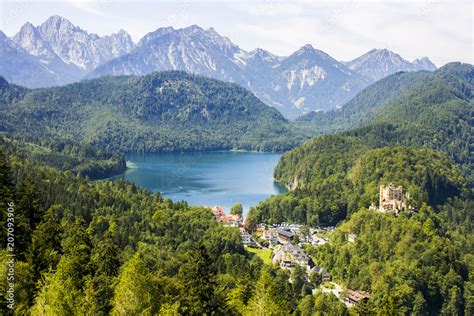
(76,46)
(30,39)
(308,48)
(155,34)
(424,63)
(379,63)
(58,23)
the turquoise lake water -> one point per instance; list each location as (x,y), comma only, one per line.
(207,178)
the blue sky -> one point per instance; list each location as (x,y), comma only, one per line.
(441,30)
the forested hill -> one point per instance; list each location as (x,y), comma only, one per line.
(452,81)
(437,115)
(433,110)
(160,112)
(416,263)
(111,248)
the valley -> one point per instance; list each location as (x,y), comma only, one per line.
(183,175)
(414,134)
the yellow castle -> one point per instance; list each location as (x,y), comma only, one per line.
(392,199)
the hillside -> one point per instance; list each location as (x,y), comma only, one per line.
(419,264)
(392,92)
(167,111)
(80,159)
(104,247)
(425,109)
(434,112)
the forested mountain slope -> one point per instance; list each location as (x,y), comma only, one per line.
(105,247)
(435,114)
(425,109)
(160,112)
(450,82)
(419,262)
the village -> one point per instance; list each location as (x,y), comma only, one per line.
(285,242)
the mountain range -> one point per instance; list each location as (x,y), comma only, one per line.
(57,52)
(414,129)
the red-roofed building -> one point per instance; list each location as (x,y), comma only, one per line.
(218,212)
(221,217)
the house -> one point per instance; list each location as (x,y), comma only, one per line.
(218,212)
(228,220)
(284,236)
(247,239)
(290,255)
(295,229)
(355,297)
(318,241)
(271,236)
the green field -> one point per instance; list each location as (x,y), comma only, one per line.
(264,254)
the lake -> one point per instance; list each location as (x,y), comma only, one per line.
(207,178)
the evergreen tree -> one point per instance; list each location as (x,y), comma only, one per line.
(45,250)
(198,279)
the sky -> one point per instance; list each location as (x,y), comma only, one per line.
(345,29)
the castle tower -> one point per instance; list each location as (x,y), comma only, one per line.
(391,198)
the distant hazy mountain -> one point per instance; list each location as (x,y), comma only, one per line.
(76,46)
(307,80)
(424,63)
(310,79)
(380,63)
(59,52)
(396,96)
(17,66)
(67,52)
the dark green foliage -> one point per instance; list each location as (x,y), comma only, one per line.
(335,182)
(413,263)
(109,247)
(10,93)
(322,304)
(82,160)
(334,175)
(166,111)
(237,209)
(199,279)
(45,249)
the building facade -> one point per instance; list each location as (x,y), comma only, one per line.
(392,199)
